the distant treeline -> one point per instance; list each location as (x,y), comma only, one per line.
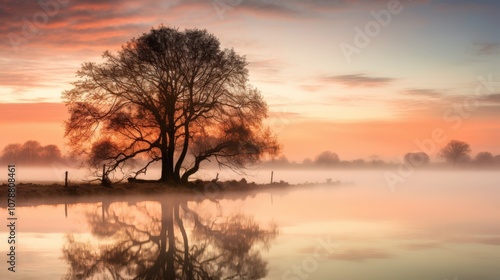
(415,159)
(455,153)
(31,153)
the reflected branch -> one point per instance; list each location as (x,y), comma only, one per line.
(168,240)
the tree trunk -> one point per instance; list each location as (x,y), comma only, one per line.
(168,218)
(194,169)
(167,161)
(163,267)
(166,170)
(182,155)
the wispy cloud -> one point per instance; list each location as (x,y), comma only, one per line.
(267,70)
(422,92)
(493,240)
(358,80)
(418,246)
(302,8)
(284,115)
(416,103)
(268,9)
(361,255)
(487,48)
(311,88)
(74,24)
(486,240)
(493,98)
(464,5)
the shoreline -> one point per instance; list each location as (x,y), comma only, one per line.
(33,194)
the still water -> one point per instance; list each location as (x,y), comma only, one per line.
(434,225)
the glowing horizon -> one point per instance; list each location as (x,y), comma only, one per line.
(418,71)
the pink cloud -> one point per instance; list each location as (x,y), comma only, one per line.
(360,254)
(357,80)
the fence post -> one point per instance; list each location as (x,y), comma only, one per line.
(66,179)
(272,176)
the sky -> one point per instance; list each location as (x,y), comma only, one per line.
(364,79)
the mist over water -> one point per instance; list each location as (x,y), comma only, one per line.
(433,225)
(379,177)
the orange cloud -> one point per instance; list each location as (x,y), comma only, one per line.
(417,246)
(358,80)
(360,255)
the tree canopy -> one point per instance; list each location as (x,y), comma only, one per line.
(327,158)
(169,96)
(456,151)
(31,153)
(484,158)
(417,159)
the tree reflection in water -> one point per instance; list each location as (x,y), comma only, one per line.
(168,240)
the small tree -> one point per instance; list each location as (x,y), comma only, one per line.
(327,158)
(484,158)
(50,153)
(496,159)
(417,159)
(455,151)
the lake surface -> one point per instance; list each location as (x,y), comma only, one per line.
(433,225)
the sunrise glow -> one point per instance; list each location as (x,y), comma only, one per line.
(360,78)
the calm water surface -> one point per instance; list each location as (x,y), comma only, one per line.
(435,225)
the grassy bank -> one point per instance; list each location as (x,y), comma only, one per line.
(31,194)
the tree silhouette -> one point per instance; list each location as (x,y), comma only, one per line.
(327,158)
(145,242)
(11,153)
(417,159)
(50,153)
(455,151)
(496,159)
(168,96)
(484,158)
(31,153)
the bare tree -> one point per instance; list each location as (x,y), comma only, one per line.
(455,151)
(168,96)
